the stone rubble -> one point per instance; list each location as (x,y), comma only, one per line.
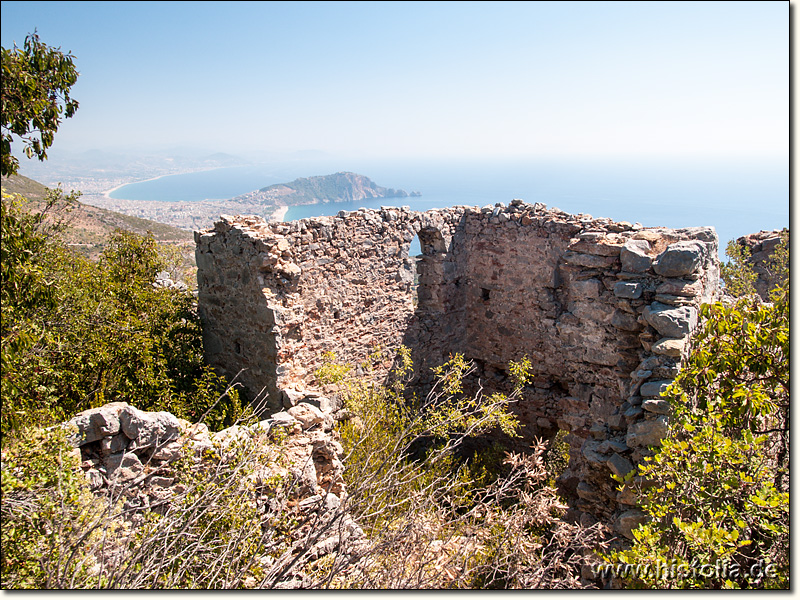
(602,309)
(130,454)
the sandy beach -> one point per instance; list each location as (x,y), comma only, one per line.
(279,214)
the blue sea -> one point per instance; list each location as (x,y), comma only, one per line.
(735,196)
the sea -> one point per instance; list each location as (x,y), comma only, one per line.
(736,196)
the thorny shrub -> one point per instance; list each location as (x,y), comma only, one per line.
(433,520)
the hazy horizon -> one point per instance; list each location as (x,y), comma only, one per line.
(434,80)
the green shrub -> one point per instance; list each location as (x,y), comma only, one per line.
(49,516)
(738,274)
(77,334)
(717,488)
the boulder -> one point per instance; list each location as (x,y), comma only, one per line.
(630,520)
(680,258)
(95,424)
(647,433)
(671,321)
(634,256)
(148,429)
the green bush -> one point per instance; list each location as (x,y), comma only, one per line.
(77,334)
(49,516)
(717,489)
(391,433)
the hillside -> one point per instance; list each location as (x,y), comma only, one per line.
(88,226)
(338,187)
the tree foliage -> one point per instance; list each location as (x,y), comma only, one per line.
(36,85)
(738,274)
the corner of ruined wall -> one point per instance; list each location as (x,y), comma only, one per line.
(239,313)
(657,283)
(761,247)
(604,311)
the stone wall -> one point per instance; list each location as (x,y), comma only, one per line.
(602,309)
(761,247)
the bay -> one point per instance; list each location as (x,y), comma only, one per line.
(736,196)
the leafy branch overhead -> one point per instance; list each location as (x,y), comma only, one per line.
(36,85)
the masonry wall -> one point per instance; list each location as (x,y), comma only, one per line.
(761,246)
(602,309)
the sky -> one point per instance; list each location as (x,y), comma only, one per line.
(423,79)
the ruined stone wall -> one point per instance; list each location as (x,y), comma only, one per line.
(602,309)
(762,246)
(275,297)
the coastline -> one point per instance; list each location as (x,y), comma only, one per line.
(280,214)
(107,193)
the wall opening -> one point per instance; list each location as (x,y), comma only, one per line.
(414,257)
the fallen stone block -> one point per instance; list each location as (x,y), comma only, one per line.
(630,520)
(148,429)
(95,424)
(647,433)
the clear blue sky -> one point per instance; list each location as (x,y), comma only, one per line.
(424,79)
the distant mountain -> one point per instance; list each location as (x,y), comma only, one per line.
(221,159)
(339,187)
(88,227)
